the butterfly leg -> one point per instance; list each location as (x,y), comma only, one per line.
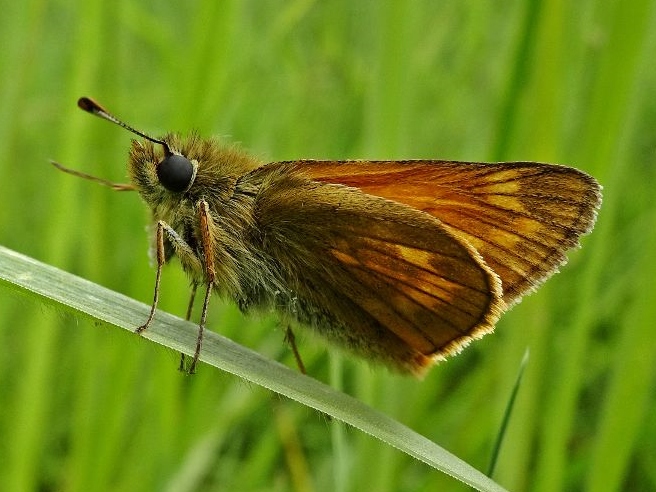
(201,328)
(290,338)
(207,242)
(161,259)
(186,255)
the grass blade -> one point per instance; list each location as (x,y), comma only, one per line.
(58,288)
(507,413)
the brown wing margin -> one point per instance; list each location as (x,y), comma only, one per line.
(382,279)
(521,217)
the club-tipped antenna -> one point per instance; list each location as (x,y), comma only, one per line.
(91,106)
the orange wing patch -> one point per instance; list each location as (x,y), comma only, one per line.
(521,217)
(413,295)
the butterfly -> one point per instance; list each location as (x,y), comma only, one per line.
(400,262)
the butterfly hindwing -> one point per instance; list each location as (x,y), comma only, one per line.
(375,275)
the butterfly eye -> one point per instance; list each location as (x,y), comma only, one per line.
(175,172)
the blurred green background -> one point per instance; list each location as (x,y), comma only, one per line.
(86,407)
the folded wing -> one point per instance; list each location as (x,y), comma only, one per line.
(376,276)
(521,217)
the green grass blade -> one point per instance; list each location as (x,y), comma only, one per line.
(79,296)
(507,413)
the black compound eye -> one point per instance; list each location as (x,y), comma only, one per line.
(175,173)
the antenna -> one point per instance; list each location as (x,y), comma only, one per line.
(91,106)
(104,182)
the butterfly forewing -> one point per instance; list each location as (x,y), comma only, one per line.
(521,217)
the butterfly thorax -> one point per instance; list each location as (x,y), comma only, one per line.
(224,180)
